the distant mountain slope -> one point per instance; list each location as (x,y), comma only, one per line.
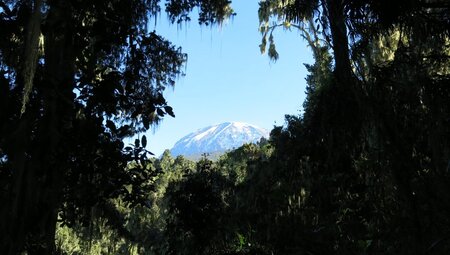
(218,139)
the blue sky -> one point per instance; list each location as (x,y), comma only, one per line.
(227,78)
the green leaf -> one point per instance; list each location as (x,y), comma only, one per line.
(146,122)
(136,143)
(111,126)
(169,111)
(262,46)
(160,112)
(144,141)
(273,54)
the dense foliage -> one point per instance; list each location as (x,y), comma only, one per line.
(364,170)
(76,78)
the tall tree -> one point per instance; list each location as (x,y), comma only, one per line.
(373,106)
(77,77)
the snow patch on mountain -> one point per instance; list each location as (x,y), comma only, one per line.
(218,138)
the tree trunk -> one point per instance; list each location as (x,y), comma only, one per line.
(349,85)
(37,185)
(339,36)
(31,52)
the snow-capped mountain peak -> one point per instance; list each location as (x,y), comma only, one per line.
(218,138)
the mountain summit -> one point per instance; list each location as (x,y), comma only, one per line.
(218,139)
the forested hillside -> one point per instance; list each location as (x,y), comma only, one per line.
(365,169)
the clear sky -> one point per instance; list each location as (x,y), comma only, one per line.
(227,78)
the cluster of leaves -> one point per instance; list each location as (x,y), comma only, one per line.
(192,210)
(365,149)
(77,78)
(210,11)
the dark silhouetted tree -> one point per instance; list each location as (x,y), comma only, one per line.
(76,78)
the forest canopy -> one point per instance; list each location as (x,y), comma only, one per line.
(364,170)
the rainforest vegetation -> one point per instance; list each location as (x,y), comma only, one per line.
(365,169)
